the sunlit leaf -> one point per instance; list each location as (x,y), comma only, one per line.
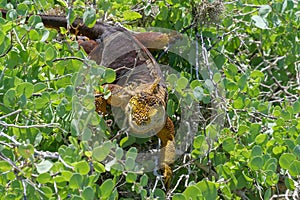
(44,166)
(259,22)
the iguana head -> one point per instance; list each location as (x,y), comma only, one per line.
(146,114)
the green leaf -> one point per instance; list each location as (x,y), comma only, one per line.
(242,82)
(232,69)
(268,194)
(131,177)
(22,9)
(181,83)
(131,153)
(26,89)
(88,193)
(101,152)
(247,178)
(289,183)
(261,138)
(209,85)
(171,80)
(259,22)
(217,77)
(9,98)
(179,197)
(163,14)
(296,107)
(59,179)
(76,181)
(219,61)
(47,191)
(44,166)
(159,193)
(198,93)
(99,167)
(129,164)
(294,168)
(66,175)
(82,167)
(106,188)
(286,159)
(296,151)
(45,35)
(5,166)
(238,103)
(26,150)
(50,53)
(119,153)
(256,163)
(255,128)
(34,35)
(192,192)
(89,17)
(144,180)
(264,11)
(198,141)
(11,15)
(44,178)
(228,144)
(69,91)
(256,151)
(131,15)
(278,149)
(257,74)
(39,87)
(109,75)
(209,189)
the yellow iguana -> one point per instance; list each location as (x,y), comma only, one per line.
(139,88)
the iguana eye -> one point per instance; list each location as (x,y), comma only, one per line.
(143,123)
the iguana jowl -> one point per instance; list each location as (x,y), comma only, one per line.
(139,88)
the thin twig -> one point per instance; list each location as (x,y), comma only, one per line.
(51,125)
(10,114)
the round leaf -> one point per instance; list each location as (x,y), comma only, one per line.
(89,17)
(44,178)
(76,181)
(106,188)
(286,159)
(256,163)
(82,167)
(88,193)
(101,152)
(44,166)
(5,166)
(294,168)
(26,89)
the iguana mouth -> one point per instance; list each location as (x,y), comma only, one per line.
(146,115)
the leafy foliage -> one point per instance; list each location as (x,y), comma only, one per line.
(255,154)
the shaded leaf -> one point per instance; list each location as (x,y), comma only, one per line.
(75,181)
(106,188)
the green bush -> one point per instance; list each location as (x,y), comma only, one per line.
(250,151)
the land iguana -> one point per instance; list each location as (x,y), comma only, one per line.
(139,88)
